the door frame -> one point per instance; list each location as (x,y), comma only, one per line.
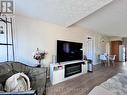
(93,47)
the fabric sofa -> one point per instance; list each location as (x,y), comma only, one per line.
(37,75)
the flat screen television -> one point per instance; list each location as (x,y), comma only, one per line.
(69,51)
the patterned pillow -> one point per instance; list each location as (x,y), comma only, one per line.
(17,82)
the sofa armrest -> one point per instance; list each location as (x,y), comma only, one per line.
(38,79)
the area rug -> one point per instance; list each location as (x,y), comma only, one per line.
(116,85)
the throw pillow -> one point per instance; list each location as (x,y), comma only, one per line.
(17,82)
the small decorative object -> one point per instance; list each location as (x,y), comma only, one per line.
(53,59)
(38,55)
(1,30)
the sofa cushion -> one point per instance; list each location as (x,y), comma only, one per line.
(5,76)
(5,68)
(1,87)
(20,67)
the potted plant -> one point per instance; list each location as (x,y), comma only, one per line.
(39,55)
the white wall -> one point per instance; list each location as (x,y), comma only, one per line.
(124,41)
(32,33)
(115,38)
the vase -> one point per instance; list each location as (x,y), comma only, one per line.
(38,63)
(42,63)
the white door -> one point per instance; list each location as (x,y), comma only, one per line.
(90,48)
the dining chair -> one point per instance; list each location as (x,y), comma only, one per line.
(104,59)
(112,59)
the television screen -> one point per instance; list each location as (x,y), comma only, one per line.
(69,51)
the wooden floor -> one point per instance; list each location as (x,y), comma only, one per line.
(83,84)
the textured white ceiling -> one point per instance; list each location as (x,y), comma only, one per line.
(110,20)
(61,12)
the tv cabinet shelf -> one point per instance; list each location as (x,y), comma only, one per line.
(58,67)
(57,71)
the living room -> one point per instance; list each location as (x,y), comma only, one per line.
(87,28)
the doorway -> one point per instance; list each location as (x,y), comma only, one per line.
(115,49)
(90,48)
